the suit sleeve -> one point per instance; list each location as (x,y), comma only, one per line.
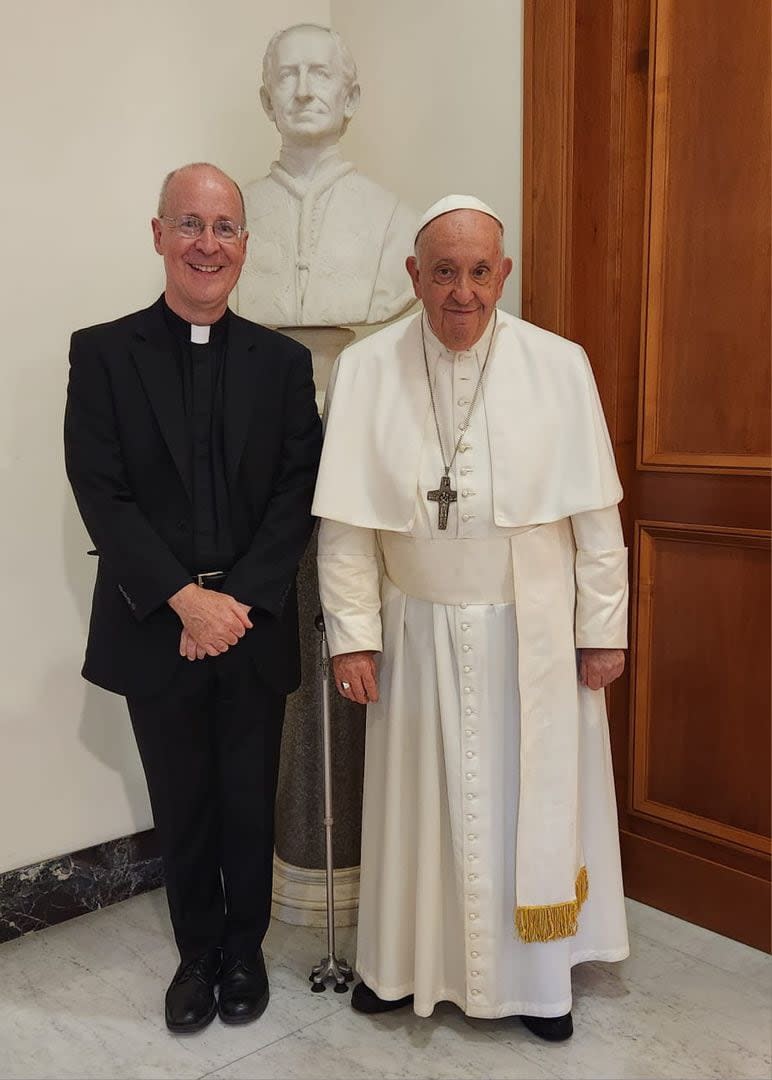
(147,572)
(263,576)
(601,580)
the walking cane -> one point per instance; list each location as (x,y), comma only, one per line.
(330,967)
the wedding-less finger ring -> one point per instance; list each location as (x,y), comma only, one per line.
(346,685)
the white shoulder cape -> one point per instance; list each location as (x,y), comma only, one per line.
(550,448)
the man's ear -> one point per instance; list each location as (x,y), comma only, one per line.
(265,101)
(411,265)
(155,225)
(352,101)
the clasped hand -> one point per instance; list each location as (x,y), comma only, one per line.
(212,622)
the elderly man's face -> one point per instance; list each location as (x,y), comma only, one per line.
(308,98)
(459,275)
(200,272)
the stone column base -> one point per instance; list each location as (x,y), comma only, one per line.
(300,895)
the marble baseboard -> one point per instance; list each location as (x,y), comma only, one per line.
(58,889)
(300,895)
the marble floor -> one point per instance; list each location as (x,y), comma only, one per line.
(84,999)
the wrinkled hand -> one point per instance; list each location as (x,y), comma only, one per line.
(359,671)
(211,621)
(189,648)
(599,667)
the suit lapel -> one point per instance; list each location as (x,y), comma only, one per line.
(241,384)
(154,355)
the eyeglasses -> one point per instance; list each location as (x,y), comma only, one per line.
(227,232)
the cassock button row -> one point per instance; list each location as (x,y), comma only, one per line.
(474,955)
(468,689)
(463,604)
(468,710)
(470,753)
(467,668)
(464,625)
(470,796)
(473,917)
(470,817)
(467,648)
(468,731)
(474,974)
(470,775)
(474,937)
(475,992)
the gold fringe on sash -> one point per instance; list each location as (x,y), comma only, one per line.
(548,922)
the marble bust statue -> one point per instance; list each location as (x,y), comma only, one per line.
(327,246)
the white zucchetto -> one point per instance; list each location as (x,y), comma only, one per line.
(455,202)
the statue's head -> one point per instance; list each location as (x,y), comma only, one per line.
(310,89)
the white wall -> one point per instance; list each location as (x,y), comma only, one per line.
(98,100)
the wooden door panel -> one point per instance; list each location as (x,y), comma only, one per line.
(706,366)
(647,224)
(701,701)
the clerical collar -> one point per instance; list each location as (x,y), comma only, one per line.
(190,332)
(435,347)
(292,162)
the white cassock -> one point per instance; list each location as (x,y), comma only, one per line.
(324,250)
(444,759)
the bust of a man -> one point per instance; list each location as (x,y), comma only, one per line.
(327,246)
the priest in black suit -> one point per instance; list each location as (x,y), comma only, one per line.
(192,441)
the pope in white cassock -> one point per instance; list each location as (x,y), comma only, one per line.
(473,578)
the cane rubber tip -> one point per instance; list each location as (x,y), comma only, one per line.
(341,988)
(318,988)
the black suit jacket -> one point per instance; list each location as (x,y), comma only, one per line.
(127,461)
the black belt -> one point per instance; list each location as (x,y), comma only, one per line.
(211,579)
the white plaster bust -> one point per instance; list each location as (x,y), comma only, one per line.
(327,246)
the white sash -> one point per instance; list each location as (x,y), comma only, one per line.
(532,567)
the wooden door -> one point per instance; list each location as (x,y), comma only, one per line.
(647,203)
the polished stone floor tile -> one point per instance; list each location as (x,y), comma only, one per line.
(399,1045)
(85,999)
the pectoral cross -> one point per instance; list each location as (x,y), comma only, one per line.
(444,495)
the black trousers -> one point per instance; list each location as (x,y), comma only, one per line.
(210,745)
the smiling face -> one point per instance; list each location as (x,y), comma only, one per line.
(308,95)
(200,272)
(458,273)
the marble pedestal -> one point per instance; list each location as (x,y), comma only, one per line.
(299,888)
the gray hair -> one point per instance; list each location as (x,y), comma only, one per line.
(163,195)
(347,62)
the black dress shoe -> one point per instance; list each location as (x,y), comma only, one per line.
(190,1000)
(243,989)
(551,1028)
(365,1000)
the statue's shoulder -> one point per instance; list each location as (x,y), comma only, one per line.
(370,193)
(261,191)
